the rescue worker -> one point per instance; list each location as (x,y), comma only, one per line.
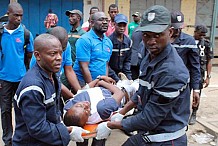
(187,49)
(163,89)
(206,55)
(120,60)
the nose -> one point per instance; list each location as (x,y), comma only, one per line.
(19,18)
(59,56)
(151,41)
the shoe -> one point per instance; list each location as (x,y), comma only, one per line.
(192,119)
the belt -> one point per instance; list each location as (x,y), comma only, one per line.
(164,136)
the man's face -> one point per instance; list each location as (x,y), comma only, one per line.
(50,57)
(156,42)
(136,18)
(83,109)
(199,35)
(176,32)
(120,27)
(15,16)
(113,12)
(100,22)
(74,19)
(93,11)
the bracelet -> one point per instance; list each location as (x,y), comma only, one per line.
(208,76)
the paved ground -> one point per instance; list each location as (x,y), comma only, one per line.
(207,117)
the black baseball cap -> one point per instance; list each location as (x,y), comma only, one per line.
(177,19)
(155,19)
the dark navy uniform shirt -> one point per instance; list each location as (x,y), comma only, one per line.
(188,51)
(36,105)
(120,60)
(163,95)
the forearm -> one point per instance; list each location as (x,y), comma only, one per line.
(130,105)
(72,78)
(66,92)
(87,75)
(209,67)
(114,125)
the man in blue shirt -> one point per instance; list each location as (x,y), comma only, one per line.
(38,120)
(163,89)
(94,49)
(12,67)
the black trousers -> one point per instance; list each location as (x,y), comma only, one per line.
(7,91)
(95,142)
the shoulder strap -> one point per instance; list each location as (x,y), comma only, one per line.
(26,38)
(1,32)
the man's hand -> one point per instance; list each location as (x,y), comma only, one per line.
(117,117)
(76,134)
(196,99)
(206,82)
(103,131)
(108,79)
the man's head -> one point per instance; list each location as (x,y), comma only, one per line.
(48,53)
(200,32)
(177,23)
(61,34)
(120,23)
(136,17)
(155,26)
(99,22)
(15,14)
(75,16)
(113,11)
(93,10)
(78,114)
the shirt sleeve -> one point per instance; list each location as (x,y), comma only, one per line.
(163,98)
(83,50)
(68,59)
(34,115)
(30,45)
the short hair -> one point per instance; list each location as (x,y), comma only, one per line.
(93,8)
(201,28)
(14,5)
(72,119)
(113,6)
(59,32)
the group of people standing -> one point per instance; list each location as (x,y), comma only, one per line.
(168,63)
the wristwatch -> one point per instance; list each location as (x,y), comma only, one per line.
(208,76)
(99,77)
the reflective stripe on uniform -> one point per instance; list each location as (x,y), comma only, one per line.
(36,88)
(184,46)
(145,84)
(121,50)
(50,99)
(164,136)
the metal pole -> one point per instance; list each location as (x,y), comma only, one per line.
(213,26)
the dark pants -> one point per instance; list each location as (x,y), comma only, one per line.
(136,140)
(135,72)
(7,91)
(95,142)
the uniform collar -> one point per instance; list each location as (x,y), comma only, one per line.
(42,72)
(115,40)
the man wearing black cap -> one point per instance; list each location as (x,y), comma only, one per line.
(188,51)
(206,55)
(163,89)
(120,60)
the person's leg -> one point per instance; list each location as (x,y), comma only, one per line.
(96,142)
(7,91)
(192,119)
(85,143)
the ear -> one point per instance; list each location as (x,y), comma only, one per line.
(37,55)
(171,32)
